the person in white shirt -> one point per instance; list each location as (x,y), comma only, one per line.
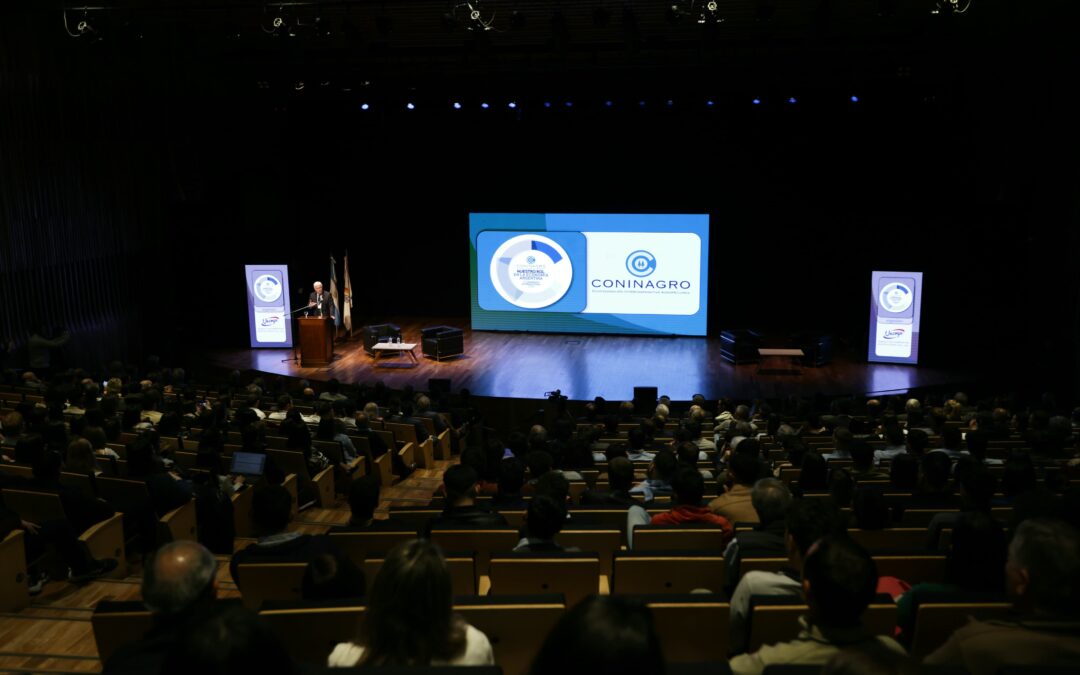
(895,444)
(410,619)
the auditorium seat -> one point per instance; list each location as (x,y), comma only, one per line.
(892,539)
(117,623)
(481,542)
(291,461)
(104,539)
(310,630)
(692,627)
(938,614)
(442,342)
(359,546)
(659,572)
(271,581)
(515,625)
(604,541)
(678,538)
(13,591)
(775,619)
(574,575)
(462,568)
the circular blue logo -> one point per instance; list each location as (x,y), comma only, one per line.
(641,263)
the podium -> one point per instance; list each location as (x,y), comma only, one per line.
(316,341)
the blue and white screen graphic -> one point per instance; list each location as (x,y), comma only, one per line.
(895,306)
(269,321)
(589,273)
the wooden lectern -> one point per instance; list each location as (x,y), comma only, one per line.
(316,341)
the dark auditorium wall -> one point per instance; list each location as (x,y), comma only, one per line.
(141,174)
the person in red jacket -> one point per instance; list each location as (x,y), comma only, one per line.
(689,489)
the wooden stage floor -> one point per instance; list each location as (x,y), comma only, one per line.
(526,365)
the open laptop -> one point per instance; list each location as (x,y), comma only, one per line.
(250,465)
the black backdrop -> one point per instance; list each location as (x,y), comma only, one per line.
(141,173)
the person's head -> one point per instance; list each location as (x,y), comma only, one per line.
(602,635)
(511,476)
(688,486)
(977,486)
(545,517)
(951,439)
(317,286)
(687,453)
(814,472)
(839,581)
(1018,476)
(47,466)
(460,483)
(841,487)
(230,641)
(555,485)
(771,500)
(664,465)
(871,509)
(271,509)
(977,552)
(636,439)
(410,618)
(904,472)
(936,467)
(809,520)
(742,412)
(1043,569)
(539,462)
(178,577)
(330,577)
(842,439)
(894,435)
(744,468)
(862,455)
(621,473)
(917,440)
(80,457)
(363,498)
(13,424)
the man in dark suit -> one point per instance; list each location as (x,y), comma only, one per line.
(461,509)
(321,302)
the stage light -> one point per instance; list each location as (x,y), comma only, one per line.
(792,100)
(364,106)
(410,106)
(511,105)
(82,29)
(756,101)
(670,103)
(569,104)
(547,104)
(641,104)
(457,106)
(484,106)
(701,11)
(470,15)
(710,103)
(951,7)
(298,85)
(854,99)
(608,104)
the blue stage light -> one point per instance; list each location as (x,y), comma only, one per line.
(792,100)
(410,106)
(756,101)
(364,106)
(854,99)
(484,106)
(457,106)
(511,104)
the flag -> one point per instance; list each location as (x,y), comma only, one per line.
(346,306)
(333,292)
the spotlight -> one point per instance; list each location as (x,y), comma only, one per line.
(547,104)
(457,106)
(82,28)
(854,99)
(511,105)
(484,106)
(701,11)
(756,101)
(365,106)
(608,104)
(569,104)
(710,103)
(792,100)
(470,15)
(951,7)
(410,106)
(670,103)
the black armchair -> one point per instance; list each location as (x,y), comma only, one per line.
(442,342)
(383,332)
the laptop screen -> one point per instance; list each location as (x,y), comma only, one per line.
(248,463)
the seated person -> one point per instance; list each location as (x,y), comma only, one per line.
(771,500)
(689,488)
(459,482)
(620,480)
(1042,576)
(659,481)
(271,511)
(363,500)
(895,443)
(862,459)
(807,521)
(545,519)
(511,481)
(330,577)
(838,582)
(735,504)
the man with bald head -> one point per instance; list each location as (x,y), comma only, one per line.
(179,588)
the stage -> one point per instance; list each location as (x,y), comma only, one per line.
(527,365)
(582,366)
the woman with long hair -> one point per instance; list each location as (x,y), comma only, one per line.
(410,619)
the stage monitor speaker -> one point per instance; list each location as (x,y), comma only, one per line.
(438,385)
(645,401)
